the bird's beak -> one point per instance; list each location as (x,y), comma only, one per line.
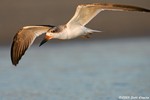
(46,38)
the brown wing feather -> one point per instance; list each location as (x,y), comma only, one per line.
(23,39)
(123,7)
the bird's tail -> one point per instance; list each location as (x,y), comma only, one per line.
(88,30)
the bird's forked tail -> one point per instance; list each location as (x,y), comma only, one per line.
(88,30)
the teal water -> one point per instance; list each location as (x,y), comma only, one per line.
(92,70)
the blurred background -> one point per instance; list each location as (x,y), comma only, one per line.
(18,13)
(109,65)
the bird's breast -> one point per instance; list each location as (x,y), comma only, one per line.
(74,32)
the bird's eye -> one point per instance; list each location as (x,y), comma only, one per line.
(54,30)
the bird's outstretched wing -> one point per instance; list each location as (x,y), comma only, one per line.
(84,13)
(24,39)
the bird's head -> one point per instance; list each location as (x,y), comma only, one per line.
(52,33)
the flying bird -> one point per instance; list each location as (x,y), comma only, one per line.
(74,28)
